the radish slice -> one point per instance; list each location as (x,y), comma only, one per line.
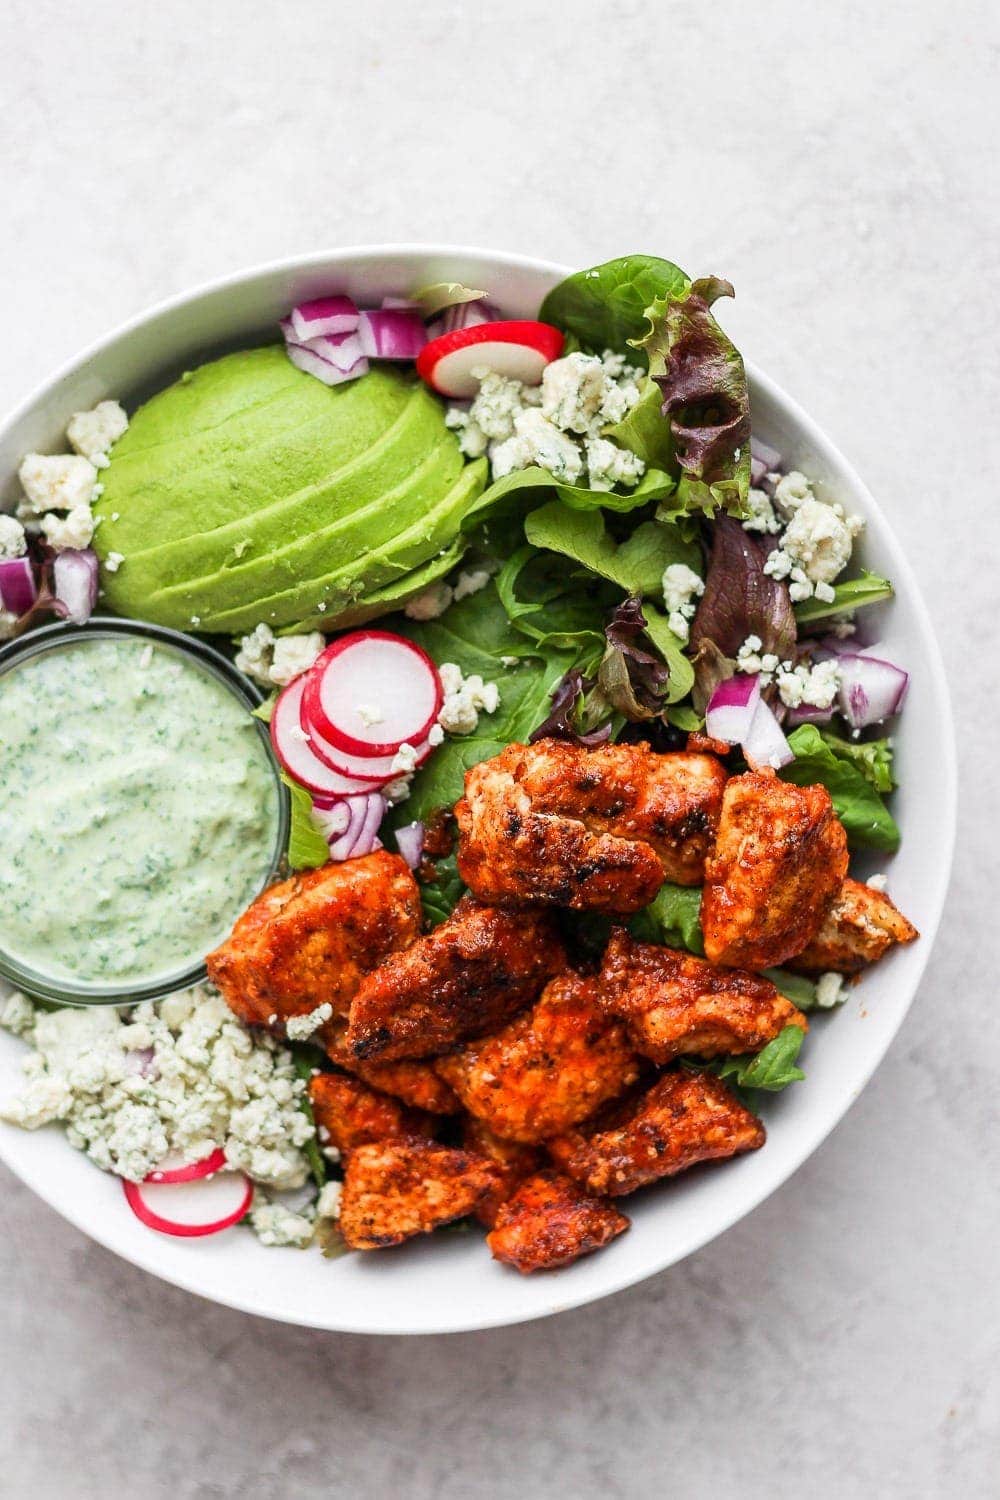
(391,333)
(410,842)
(870,689)
(765,744)
(310,320)
(188,1209)
(189,1171)
(18,590)
(366,772)
(372,675)
(294,751)
(519,349)
(74,582)
(731,708)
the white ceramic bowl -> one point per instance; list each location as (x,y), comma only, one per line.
(448,1283)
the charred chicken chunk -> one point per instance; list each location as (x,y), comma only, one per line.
(551,1067)
(513,1163)
(415,1083)
(683,1119)
(396,1189)
(467,977)
(348,1113)
(549,1221)
(779,860)
(599,830)
(860,927)
(675,1004)
(308,941)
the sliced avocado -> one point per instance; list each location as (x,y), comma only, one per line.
(385,600)
(373,569)
(201,479)
(324,526)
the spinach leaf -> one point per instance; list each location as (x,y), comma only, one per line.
(867,820)
(554,606)
(645,431)
(604,307)
(636,564)
(306,1059)
(476,634)
(705,397)
(772,1069)
(854,593)
(672,917)
(307,848)
(672,651)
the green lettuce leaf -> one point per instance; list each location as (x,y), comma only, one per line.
(771,1069)
(866,819)
(307,848)
(517,492)
(644,431)
(604,307)
(439,897)
(636,564)
(854,593)
(705,397)
(795,987)
(873,758)
(306,1059)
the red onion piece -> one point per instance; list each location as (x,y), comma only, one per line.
(310,320)
(74,583)
(18,589)
(140,1062)
(807,713)
(410,842)
(871,690)
(464,315)
(375,812)
(731,708)
(361,834)
(764,454)
(333,820)
(343,847)
(311,363)
(765,744)
(392,333)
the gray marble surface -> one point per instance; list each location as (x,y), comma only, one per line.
(838,162)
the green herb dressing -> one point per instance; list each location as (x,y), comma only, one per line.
(138,811)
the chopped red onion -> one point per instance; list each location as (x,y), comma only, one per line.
(871,690)
(324,315)
(311,363)
(366,812)
(392,333)
(764,454)
(140,1062)
(462,315)
(808,713)
(731,708)
(74,583)
(410,842)
(765,744)
(332,818)
(18,589)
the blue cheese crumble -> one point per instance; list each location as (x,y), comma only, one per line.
(275,661)
(814,539)
(682,587)
(559,426)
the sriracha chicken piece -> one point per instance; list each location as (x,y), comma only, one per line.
(549,1221)
(683,1119)
(780,858)
(396,1189)
(310,940)
(348,1113)
(467,977)
(416,1083)
(548,1068)
(599,830)
(675,1004)
(860,927)
(512,1161)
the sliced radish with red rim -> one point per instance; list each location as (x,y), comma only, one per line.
(519,349)
(293,747)
(372,691)
(176,1169)
(205,1205)
(367,772)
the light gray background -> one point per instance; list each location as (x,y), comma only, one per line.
(838,162)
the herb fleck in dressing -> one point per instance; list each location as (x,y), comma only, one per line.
(138,811)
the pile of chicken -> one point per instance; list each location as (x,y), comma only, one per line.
(476,1070)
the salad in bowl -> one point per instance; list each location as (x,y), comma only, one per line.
(449,770)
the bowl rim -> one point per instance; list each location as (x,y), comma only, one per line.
(932,668)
